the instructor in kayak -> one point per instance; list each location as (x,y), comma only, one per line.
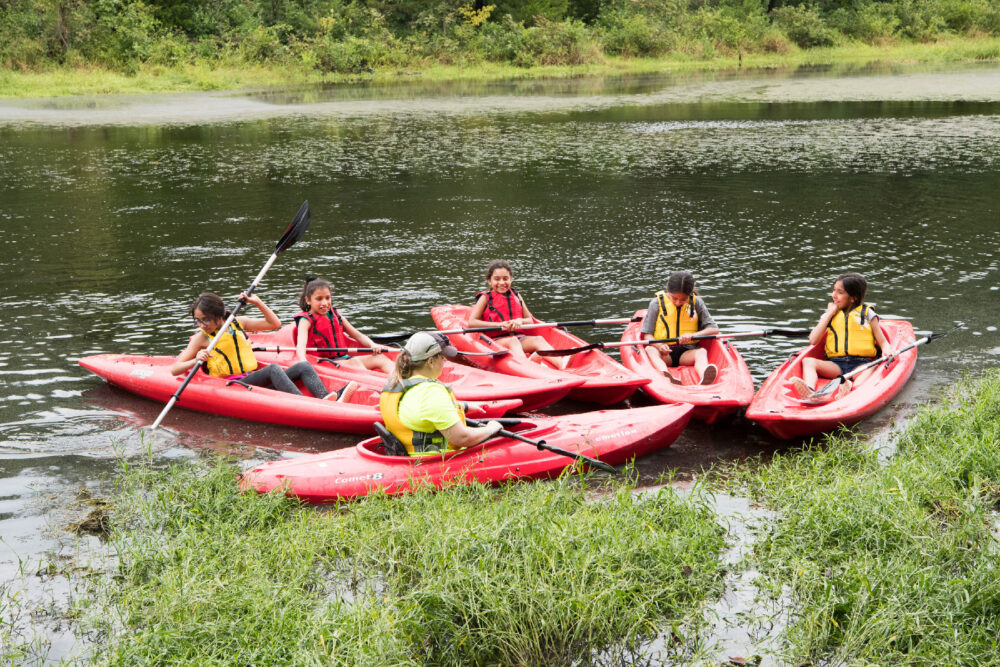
(232,358)
(421,412)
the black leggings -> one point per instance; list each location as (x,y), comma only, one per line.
(282,379)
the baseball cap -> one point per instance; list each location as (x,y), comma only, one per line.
(423,345)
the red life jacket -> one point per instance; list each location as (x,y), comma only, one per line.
(500,308)
(325,331)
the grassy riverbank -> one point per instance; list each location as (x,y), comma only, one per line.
(205,76)
(891,561)
(526,574)
(877,557)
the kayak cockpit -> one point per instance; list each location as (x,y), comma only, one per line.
(376,450)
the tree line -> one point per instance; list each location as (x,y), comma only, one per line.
(359,35)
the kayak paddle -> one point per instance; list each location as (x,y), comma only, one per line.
(541,444)
(832,385)
(390,338)
(360,350)
(788,333)
(294,232)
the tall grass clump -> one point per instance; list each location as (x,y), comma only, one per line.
(892,561)
(523,574)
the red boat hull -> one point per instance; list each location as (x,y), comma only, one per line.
(468,383)
(606,382)
(613,436)
(731,391)
(150,377)
(777,407)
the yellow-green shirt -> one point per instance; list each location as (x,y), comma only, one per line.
(428,407)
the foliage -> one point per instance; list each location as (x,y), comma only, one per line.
(892,561)
(804,26)
(524,574)
(348,36)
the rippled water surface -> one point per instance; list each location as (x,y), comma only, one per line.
(766,188)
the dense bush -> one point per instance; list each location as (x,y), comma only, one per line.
(356,35)
(804,26)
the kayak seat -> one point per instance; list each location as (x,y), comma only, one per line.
(390,443)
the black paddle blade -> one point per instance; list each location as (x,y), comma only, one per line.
(300,223)
(935,336)
(569,350)
(789,333)
(389,338)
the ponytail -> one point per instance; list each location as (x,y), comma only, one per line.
(406,367)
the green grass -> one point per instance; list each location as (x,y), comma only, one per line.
(523,574)
(891,561)
(205,76)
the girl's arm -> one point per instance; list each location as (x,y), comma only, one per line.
(361,338)
(883,343)
(192,355)
(270,320)
(462,435)
(476,314)
(710,328)
(653,311)
(506,325)
(302,338)
(818,334)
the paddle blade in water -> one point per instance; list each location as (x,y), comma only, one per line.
(300,223)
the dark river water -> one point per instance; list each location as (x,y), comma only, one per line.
(117,212)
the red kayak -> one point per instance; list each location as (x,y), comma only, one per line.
(732,389)
(777,406)
(150,377)
(468,383)
(606,382)
(612,436)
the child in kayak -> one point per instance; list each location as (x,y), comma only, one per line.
(422,412)
(852,336)
(320,325)
(232,357)
(679,312)
(502,305)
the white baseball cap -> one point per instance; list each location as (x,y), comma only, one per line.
(424,344)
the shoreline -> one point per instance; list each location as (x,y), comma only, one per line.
(205,77)
(823,553)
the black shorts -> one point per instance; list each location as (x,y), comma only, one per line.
(677,350)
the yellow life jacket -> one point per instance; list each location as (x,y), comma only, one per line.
(851,334)
(231,355)
(416,442)
(673,321)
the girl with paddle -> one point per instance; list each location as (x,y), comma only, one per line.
(679,312)
(320,325)
(422,412)
(852,336)
(232,358)
(502,305)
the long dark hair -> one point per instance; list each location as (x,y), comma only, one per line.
(856,287)
(210,304)
(682,282)
(312,284)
